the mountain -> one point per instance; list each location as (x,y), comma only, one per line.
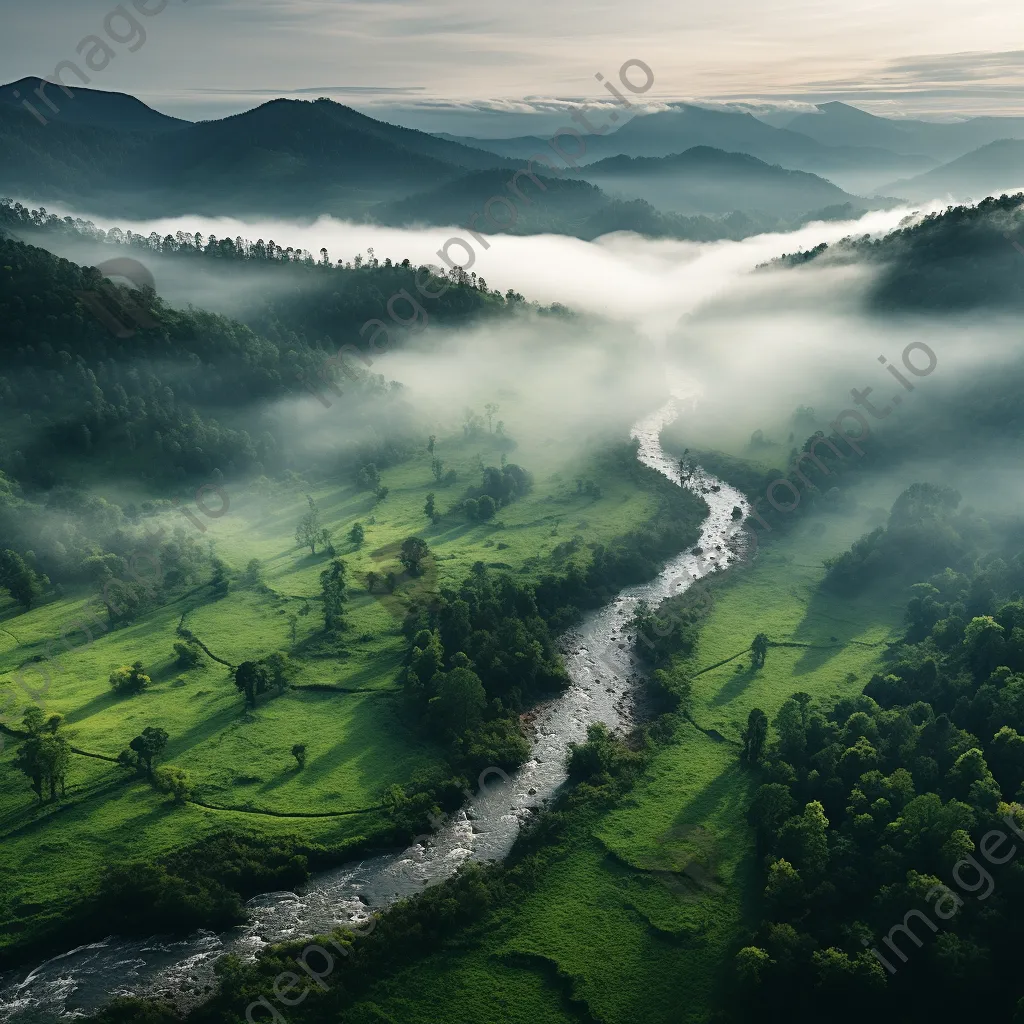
(706,180)
(114,110)
(684,126)
(287,157)
(839,124)
(990,171)
(963,258)
(571,206)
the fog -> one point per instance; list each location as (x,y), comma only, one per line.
(655,316)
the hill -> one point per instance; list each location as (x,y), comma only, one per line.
(839,124)
(684,126)
(964,258)
(115,110)
(706,180)
(989,171)
(286,157)
(571,206)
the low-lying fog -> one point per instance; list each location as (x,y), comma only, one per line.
(660,314)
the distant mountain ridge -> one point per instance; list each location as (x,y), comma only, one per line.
(708,180)
(842,124)
(685,126)
(990,171)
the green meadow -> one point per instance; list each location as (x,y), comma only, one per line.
(649,900)
(237,758)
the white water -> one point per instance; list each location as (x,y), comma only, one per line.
(603,673)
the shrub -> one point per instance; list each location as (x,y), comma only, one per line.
(130,679)
(188,655)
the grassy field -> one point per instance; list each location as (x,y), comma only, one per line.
(645,909)
(238,758)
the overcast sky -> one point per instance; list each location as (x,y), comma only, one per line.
(439,63)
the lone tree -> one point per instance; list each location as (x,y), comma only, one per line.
(174,781)
(44,758)
(372,579)
(414,551)
(251,679)
(188,654)
(759,650)
(489,410)
(368,478)
(357,534)
(130,679)
(332,586)
(429,508)
(299,753)
(754,736)
(437,468)
(147,747)
(431,441)
(310,530)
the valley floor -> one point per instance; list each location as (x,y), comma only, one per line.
(648,901)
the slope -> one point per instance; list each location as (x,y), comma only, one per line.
(114,110)
(706,180)
(989,171)
(839,124)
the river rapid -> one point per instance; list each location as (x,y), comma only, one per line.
(604,674)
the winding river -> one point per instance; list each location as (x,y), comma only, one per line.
(603,673)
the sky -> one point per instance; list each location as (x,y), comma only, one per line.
(443,65)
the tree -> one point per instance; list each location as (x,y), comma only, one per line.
(293,622)
(368,477)
(251,680)
(437,468)
(148,746)
(431,441)
(771,808)
(174,781)
(414,551)
(485,507)
(381,493)
(791,727)
(279,670)
(759,650)
(460,701)
(299,753)
(489,410)
(220,581)
(372,579)
(310,530)
(44,758)
(754,735)
(357,534)
(130,679)
(189,655)
(253,575)
(34,720)
(328,544)
(24,585)
(429,508)
(332,586)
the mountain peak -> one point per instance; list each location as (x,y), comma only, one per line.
(77,104)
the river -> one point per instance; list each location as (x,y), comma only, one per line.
(603,671)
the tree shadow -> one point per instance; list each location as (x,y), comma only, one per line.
(736,685)
(833,621)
